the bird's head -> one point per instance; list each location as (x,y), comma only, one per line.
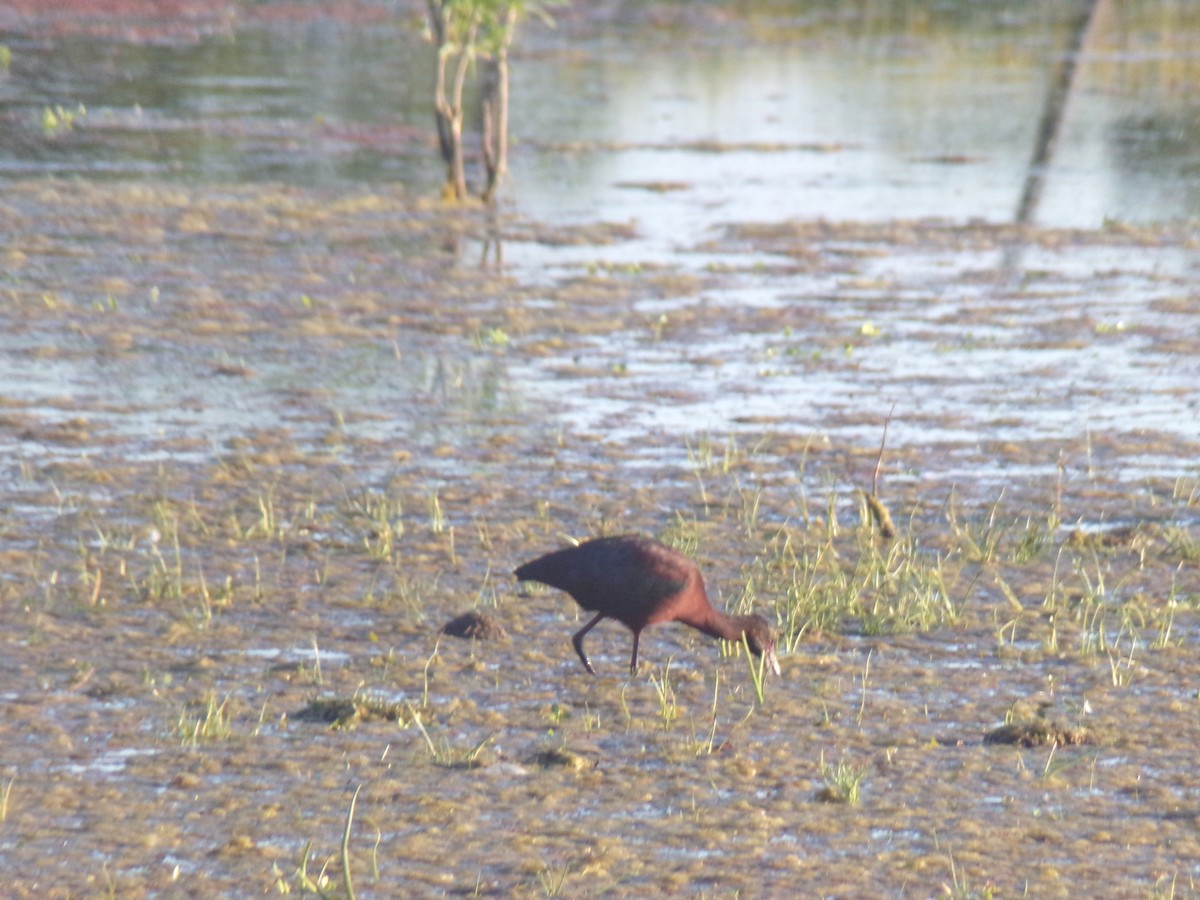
(761,638)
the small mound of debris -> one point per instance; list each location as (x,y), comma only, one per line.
(1037,733)
(475,625)
(341,713)
(564,758)
(1134,538)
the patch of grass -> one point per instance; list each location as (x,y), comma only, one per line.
(1035,539)
(902,590)
(748,505)
(268,523)
(409,593)
(317,678)
(979,539)
(591,720)
(489,337)
(1166,619)
(437,521)
(443,754)
(668,709)
(831,586)
(1181,543)
(382,515)
(862,705)
(5,795)
(347,883)
(301,879)
(809,580)
(553,880)
(213,723)
(425,675)
(1120,664)
(758,671)
(165,579)
(57,120)
(1168,887)
(843,782)
(705,747)
(959,886)
(683,534)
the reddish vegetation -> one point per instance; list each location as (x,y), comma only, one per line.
(169,21)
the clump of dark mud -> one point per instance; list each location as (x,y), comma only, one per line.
(475,625)
(345,713)
(1038,733)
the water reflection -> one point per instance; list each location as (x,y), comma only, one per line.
(922,115)
(318,104)
(681,118)
(859,111)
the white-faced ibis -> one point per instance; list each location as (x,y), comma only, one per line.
(640,582)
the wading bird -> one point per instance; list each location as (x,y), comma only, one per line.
(640,582)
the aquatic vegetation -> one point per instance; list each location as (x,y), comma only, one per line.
(323,880)
(757,667)
(57,120)
(347,881)
(960,887)
(843,781)
(242,579)
(706,745)
(5,797)
(445,755)
(668,710)
(553,880)
(213,723)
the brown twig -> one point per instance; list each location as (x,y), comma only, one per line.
(879,459)
(879,512)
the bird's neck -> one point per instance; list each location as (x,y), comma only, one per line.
(718,625)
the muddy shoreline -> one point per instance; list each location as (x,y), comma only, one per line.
(259,460)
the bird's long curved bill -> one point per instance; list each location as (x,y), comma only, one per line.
(772,660)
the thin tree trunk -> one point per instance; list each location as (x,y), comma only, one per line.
(456,178)
(495,113)
(448,108)
(1054,111)
(489,99)
(441,114)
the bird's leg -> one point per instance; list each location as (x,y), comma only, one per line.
(577,640)
(633,659)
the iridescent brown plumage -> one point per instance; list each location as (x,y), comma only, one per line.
(640,582)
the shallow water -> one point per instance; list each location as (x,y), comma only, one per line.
(271,417)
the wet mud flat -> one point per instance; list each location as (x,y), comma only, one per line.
(262,443)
